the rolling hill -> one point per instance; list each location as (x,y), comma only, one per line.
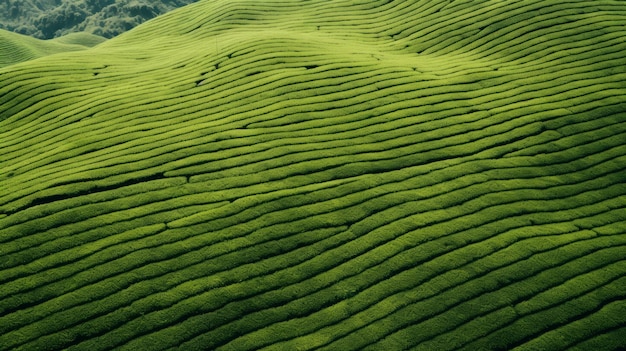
(321,175)
(16,48)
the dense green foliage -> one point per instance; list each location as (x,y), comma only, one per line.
(336,175)
(48,19)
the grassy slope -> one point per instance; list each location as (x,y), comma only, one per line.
(80,38)
(16,48)
(321,174)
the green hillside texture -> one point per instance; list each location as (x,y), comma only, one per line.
(47,19)
(321,175)
(15,48)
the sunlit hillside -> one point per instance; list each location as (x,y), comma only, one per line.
(328,175)
(16,48)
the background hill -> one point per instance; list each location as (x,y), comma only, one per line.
(15,48)
(328,175)
(46,19)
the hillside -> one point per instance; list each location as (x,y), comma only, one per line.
(16,48)
(328,175)
(47,19)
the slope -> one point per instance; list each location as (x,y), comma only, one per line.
(238,175)
(15,48)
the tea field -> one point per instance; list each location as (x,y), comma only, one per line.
(321,175)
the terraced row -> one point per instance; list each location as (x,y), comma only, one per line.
(321,175)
